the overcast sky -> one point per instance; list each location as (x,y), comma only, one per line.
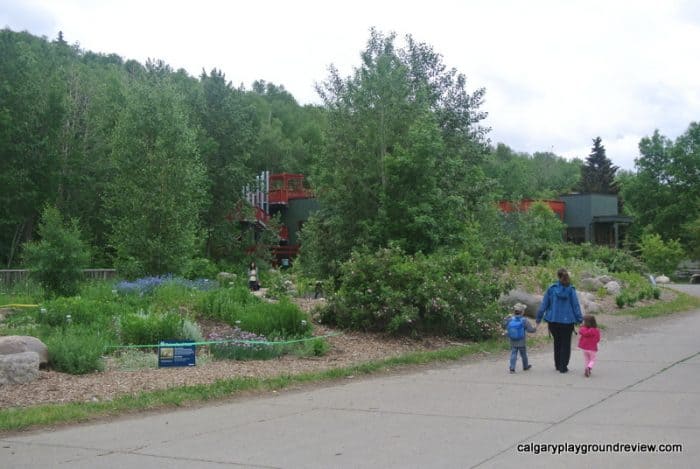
(556,73)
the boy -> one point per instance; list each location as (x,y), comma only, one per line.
(516,326)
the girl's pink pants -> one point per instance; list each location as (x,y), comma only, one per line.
(589,358)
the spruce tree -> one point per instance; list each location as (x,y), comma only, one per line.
(598,172)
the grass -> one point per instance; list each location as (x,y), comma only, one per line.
(682,302)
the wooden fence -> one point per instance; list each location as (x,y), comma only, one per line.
(12,276)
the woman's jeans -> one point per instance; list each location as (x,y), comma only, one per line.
(514,356)
(561,332)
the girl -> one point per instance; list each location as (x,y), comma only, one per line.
(588,342)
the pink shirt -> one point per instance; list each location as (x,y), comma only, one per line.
(588,338)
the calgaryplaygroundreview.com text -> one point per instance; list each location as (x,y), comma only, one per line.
(585,448)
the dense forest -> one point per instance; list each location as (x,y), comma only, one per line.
(146,162)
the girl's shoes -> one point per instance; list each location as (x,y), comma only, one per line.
(587,372)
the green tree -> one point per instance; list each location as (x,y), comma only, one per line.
(664,194)
(402,154)
(57,260)
(598,172)
(156,196)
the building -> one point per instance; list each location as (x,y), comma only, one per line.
(594,218)
(589,218)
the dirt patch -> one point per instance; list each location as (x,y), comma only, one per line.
(346,349)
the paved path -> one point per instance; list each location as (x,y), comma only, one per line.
(645,389)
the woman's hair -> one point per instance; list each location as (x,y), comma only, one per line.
(563,276)
(589,321)
(252,265)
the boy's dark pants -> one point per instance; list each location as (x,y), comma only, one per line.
(561,333)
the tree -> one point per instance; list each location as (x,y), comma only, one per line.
(598,172)
(661,256)
(664,195)
(402,154)
(57,260)
(159,188)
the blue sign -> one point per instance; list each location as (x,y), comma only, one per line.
(180,353)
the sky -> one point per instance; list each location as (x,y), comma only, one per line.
(557,73)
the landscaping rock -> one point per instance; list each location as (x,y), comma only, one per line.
(605,279)
(225,277)
(613,288)
(590,284)
(662,279)
(18,368)
(16,344)
(518,296)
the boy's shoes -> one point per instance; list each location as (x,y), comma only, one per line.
(512,370)
(587,372)
(527,367)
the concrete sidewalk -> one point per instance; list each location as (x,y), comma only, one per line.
(644,389)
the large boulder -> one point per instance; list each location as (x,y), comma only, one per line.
(662,279)
(590,284)
(587,301)
(18,368)
(13,344)
(518,296)
(613,287)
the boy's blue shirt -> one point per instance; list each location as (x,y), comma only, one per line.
(560,304)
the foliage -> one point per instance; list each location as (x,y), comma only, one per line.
(58,259)
(81,311)
(661,256)
(613,260)
(150,328)
(157,193)
(402,154)
(533,233)
(76,350)
(200,268)
(664,194)
(242,345)
(450,294)
(132,360)
(225,304)
(524,176)
(598,172)
(282,319)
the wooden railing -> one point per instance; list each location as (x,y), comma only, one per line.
(12,276)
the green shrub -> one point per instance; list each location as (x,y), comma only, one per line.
(57,260)
(76,350)
(132,360)
(612,260)
(283,319)
(657,293)
(244,345)
(81,311)
(191,331)
(620,301)
(661,256)
(450,293)
(316,347)
(150,329)
(224,304)
(201,267)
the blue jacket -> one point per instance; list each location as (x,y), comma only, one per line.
(560,304)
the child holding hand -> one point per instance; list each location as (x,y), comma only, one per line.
(589,336)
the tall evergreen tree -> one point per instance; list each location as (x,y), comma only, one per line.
(598,172)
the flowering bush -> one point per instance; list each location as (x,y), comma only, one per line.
(146,285)
(388,290)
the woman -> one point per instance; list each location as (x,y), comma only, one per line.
(253,277)
(561,310)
